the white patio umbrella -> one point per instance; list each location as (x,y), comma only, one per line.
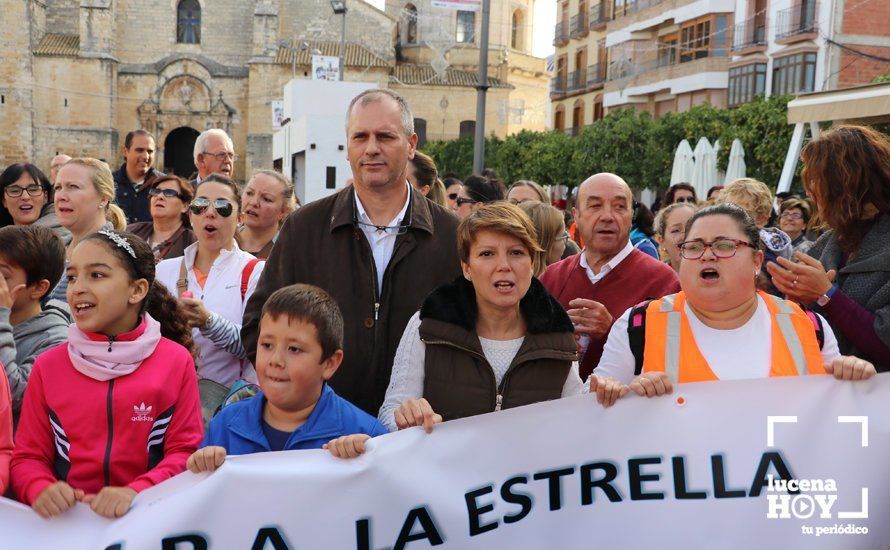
(704,175)
(736,168)
(683,164)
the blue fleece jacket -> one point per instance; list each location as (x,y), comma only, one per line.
(239,426)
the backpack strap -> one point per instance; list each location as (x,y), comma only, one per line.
(636,334)
(246,272)
(817,325)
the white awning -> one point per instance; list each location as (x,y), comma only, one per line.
(871,101)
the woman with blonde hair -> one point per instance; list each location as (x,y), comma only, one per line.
(424,176)
(84,195)
(551,230)
(526,190)
(267,200)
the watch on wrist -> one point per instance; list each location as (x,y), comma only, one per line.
(822,301)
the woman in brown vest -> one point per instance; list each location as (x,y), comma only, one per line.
(491,339)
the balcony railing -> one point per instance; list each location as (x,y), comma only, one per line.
(561,33)
(558,84)
(749,34)
(596,74)
(800,18)
(577,81)
(579,24)
(632,6)
(598,15)
(632,68)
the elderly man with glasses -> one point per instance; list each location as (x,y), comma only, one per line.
(214,154)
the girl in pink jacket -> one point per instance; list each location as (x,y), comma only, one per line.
(115,410)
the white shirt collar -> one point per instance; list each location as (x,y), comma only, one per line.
(608,266)
(364,218)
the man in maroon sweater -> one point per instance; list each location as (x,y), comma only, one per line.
(609,275)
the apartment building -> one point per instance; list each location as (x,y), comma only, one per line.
(580,67)
(663,56)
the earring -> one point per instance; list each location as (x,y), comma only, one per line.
(467,277)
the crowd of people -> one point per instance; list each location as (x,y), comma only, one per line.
(150,324)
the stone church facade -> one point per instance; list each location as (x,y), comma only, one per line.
(77,75)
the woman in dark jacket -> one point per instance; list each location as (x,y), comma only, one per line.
(169,232)
(491,339)
(846,276)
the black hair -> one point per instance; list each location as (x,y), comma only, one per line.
(36,249)
(644,219)
(12,174)
(738,214)
(483,189)
(312,305)
(128,141)
(158,303)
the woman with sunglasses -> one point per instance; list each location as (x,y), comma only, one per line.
(696,334)
(168,233)
(213,280)
(476,191)
(27,197)
(680,192)
(452,190)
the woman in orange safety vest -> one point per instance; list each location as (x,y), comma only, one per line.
(719,327)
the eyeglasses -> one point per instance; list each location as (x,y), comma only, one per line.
(564,237)
(169,193)
(517,202)
(15,191)
(223,155)
(792,215)
(400,229)
(452,196)
(463,200)
(721,248)
(690,200)
(222,207)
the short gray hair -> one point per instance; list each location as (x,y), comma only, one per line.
(201,142)
(376,94)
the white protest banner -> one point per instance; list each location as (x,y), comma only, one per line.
(462,5)
(277,113)
(325,67)
(682,471)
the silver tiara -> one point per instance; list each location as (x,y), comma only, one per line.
(118,240)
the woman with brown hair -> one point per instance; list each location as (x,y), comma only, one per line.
(424,176)
(794,220)
(169,232)
(491,339)
(846,276)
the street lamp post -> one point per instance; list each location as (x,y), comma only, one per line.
(339,7)
(481,89)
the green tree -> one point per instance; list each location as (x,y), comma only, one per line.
(762,127)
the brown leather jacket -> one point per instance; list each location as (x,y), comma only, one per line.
(459,381)
(321,244)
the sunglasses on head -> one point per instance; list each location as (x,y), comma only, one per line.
(223,207)
(463,200)
(169,193)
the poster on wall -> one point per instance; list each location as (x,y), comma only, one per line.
(325,67)
(277,113)
(462,5)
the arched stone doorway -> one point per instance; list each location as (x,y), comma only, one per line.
(178,152)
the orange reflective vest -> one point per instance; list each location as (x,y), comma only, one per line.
(670,346)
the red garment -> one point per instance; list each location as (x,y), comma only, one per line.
(5,430)
(638,277)
(153,426)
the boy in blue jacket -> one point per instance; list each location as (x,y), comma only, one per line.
(299,349)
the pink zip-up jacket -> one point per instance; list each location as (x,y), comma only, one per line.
(5,430)
(135,430)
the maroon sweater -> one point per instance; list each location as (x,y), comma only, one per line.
(637,278)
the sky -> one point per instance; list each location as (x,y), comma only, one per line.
(545,19)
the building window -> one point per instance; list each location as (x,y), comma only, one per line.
(695,39)
(597,109)
(667,50)
(745,83)
(577,117)
(794,73)
(516,31)
(188,27)
(420,130)
(411,24)
(466,27)
(559,119)
(467,128)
